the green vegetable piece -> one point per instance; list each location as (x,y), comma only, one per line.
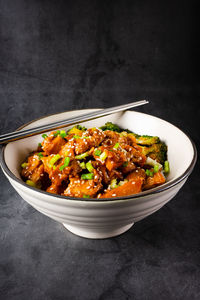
(82,165)
(54,159)
(83,128)
(82,156)
(66,163)
(40,155)
(156,168)
(157,152)
(39,145)
(76,136)
(103,156)
(113,183)
(63,134)
(24,165)
(86,196)
(89,166)
(87,176)
(149,173)
(166,167)
(56,133)
(31,183)
(97,152)
(125,164)
(111,126)
(116,146)
(122,182)
(147,140)
(44,136)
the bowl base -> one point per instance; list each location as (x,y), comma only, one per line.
(98,233)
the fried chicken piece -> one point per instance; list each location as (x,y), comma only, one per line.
(81,187)
(52,144)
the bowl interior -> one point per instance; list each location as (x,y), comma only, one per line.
(180,148)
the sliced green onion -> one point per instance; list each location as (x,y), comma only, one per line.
(87,176)
(31,183)
(86,196)
(149,173)
(82,156)
(82,165)
(122,182)
(56,133)
(153,162)
(66,163)
(156,168)
(103,156)
(44,136)
(39,145)
(40,155)
(166,167)
(76,136)
(24,165)
(63,134)
(125,164)
(116,146)
(113,183)
(54,159)
(89,166)
(97,152)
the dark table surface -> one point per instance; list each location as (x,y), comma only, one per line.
(64,55)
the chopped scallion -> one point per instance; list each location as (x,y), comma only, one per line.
(31,183)
(82,156)
(149,173)
(103,156)
(89,166)
(82,165)
(125,164)
(122,182)
(76,136)
(87,176)
(44,136)
(24,165)
(63,134)
(86,196)
(54,159)
(166,167)
(156,168)
(116,146)
(113,183)
(40,155)
(56,133)
(97,152)
(66,163)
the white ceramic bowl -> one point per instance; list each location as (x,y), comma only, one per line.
(94,218)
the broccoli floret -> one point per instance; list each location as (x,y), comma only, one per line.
(83,128)
(111,126)
(156,151)
(146,139)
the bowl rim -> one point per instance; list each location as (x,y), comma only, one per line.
(152,191)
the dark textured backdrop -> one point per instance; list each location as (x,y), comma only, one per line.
(61,55)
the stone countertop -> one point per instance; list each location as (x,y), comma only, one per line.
(64,55)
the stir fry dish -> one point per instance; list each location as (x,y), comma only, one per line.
(100,162)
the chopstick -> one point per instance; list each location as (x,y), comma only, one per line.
(16,135)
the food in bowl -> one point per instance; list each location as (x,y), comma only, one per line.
(105,217)
(103,162)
